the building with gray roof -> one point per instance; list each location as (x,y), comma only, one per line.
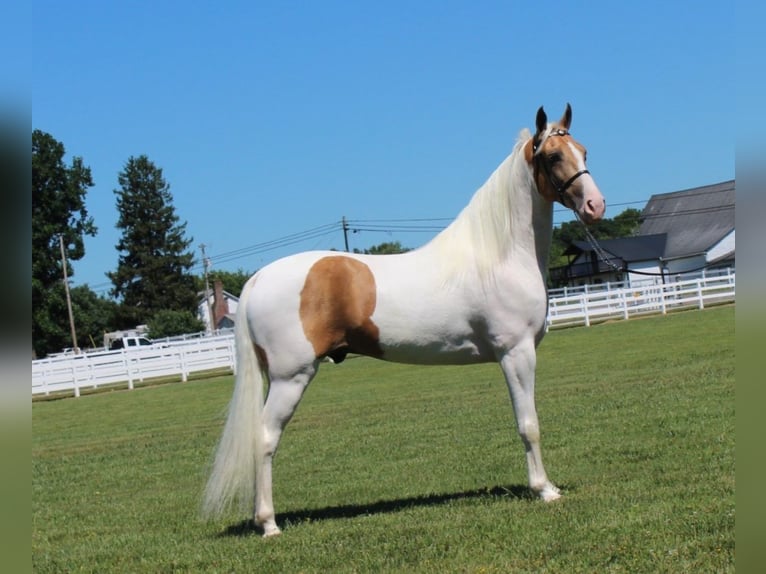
(680,232)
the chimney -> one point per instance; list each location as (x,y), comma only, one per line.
(220,305)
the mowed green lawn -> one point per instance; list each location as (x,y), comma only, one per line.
(396,468)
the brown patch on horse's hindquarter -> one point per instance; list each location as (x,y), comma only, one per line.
(337,303)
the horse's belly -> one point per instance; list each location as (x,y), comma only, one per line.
(437,353)
(431,335)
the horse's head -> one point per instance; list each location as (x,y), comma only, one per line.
(558,163)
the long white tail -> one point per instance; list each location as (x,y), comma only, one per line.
(238,456)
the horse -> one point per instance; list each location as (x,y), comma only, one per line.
(475,293)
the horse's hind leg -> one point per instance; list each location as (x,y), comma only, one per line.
(281,402)
(518,366)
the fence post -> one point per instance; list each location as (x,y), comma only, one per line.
(624,302)
(184,367)
(74,378)
(126,361)
(663,308)
(699,294)
(232,356)
(91,372)
(584,302)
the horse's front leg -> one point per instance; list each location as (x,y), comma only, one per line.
(518,366)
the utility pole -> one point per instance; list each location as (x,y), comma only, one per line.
(68,298)
(345,232)
(206,264)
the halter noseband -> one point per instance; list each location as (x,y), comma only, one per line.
(560,188)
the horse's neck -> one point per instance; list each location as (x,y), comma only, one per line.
(542,217)
(531,220)
(506,223)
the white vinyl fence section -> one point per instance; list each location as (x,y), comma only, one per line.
(131,366)
(595,306)
(181,358)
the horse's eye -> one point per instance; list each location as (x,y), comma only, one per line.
(554,158)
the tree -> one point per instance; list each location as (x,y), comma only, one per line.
(233,281)
(625,224)
(168,323)
(153,268)
(385,248)
(58,210)
(93,316)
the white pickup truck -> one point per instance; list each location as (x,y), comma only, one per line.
(130,343)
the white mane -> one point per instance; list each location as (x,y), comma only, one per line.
(487,229)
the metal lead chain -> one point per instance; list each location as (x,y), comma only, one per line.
(602,255)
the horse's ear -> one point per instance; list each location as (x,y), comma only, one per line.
(566,119)
(541,122)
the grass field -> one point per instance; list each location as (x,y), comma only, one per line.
(395,468)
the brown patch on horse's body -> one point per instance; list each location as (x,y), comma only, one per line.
(337,303)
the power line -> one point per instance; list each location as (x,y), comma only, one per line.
(402,228)
(394,225)
(270,245)
(405,220)
(398,225)
(698,211)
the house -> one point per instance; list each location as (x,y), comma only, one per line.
(681,232)
(699,223)
(639,254)
(223,306)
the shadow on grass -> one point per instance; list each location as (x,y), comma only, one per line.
(296,517)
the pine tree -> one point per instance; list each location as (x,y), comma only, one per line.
(154,262)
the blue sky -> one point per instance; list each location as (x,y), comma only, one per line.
(273,118)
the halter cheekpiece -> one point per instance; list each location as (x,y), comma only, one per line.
(560,188)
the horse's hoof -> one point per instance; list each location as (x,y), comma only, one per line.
(272,531)
(550,493)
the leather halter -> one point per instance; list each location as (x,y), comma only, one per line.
(559,187)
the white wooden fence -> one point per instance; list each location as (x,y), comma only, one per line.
(595,306)
(181,358)
(131,366)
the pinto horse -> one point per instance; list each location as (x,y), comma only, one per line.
(475,293)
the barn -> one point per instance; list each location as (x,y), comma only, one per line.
(681,232)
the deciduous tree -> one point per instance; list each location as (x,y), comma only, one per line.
(385,248)
(168,323)
(625,224)
(58,210)
(93,316)
(233,281)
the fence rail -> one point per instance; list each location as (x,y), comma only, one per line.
(181,358)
